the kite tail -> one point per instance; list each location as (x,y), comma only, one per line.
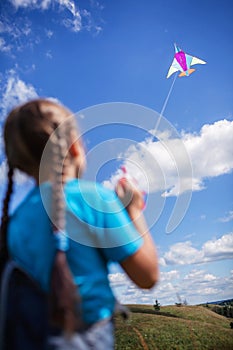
(165,103)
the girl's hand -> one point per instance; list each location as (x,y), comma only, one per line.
(142,266)
(130,195)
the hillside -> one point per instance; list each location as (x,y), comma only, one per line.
(180,328)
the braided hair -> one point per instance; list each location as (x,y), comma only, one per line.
(5,218)
(62,308)
(28,130)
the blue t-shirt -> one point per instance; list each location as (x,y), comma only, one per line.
(99,231)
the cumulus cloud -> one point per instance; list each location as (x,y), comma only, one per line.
(175,165)
(219,249)
(200,284)
(195,286)
(211,150)
(183,253)
(198,275)
(170,275)
(15,91)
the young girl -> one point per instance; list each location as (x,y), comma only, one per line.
(67,230)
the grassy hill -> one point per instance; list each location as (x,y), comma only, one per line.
(180,328)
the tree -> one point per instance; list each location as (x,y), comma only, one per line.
(157,305)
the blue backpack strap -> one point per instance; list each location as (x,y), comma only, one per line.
(6,275)
(24,311)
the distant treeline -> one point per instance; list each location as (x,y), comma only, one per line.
(223,307)
(221,302)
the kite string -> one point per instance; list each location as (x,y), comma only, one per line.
(165,103)
(168,95)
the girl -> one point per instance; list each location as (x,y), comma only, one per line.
(67,230)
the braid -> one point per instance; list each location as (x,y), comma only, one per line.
(59,150)
(5,219)
(63,290)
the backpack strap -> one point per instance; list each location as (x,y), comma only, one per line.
(24,311)
(6,275)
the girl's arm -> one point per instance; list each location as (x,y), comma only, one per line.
(142,266)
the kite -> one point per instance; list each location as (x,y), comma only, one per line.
(182,62)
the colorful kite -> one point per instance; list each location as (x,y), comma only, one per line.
(182,63)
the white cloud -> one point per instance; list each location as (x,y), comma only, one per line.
(195,286)
(211,151)
(43,4)
(170,275)
(228,217)
(15,29)
(199,284)
(164,164)
(74,20)
(49,33)
(48,54)
(20,178)
(219,249)
(16,91)
(17,34)
(22,185)
(3,171)
(70,15)
(183,253)
(23,33)
(117,278)
(3,46)
(74,24)
(198,275)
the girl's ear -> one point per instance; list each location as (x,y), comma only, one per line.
(74,149)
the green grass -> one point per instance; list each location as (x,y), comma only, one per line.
(173,328)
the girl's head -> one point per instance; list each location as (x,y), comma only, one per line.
(33,126)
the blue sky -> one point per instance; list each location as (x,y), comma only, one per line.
(91,53)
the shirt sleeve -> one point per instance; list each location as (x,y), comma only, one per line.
(105,222)
(119,237)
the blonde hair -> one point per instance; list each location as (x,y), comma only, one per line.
(27,131)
